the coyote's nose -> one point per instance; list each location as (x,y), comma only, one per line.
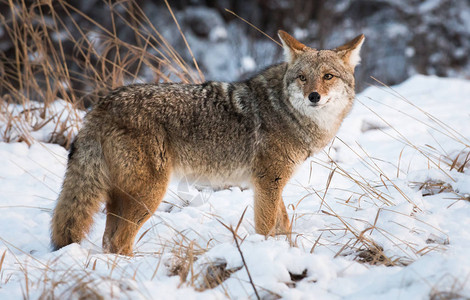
(314,97)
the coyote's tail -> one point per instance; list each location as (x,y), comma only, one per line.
(84,188)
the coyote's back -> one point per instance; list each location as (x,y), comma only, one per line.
(255,131)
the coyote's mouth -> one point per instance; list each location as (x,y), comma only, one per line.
(319,105)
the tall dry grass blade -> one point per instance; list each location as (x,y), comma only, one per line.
(256,28)
(2,260)
(316,243)
(240,220)
(185,41)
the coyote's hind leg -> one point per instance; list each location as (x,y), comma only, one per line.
(140,172)
(126,213)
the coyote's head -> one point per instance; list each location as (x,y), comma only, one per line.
(320,81)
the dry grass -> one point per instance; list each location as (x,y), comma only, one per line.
(55,57)
(449,288)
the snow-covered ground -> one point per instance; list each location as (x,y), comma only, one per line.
(377,215)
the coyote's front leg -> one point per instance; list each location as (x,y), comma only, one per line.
(270,212)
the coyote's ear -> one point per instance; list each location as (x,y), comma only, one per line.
(292,47)
(349,52)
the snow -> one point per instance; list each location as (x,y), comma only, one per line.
(429,5)
(248,64)
(395,141)
(218,33)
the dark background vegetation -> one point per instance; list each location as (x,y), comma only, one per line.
(403,38)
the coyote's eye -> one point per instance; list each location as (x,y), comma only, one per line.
(302,77)
(328,76)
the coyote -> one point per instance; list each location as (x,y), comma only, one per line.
(255,131)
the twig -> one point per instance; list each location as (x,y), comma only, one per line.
(244,263)
(234,233)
